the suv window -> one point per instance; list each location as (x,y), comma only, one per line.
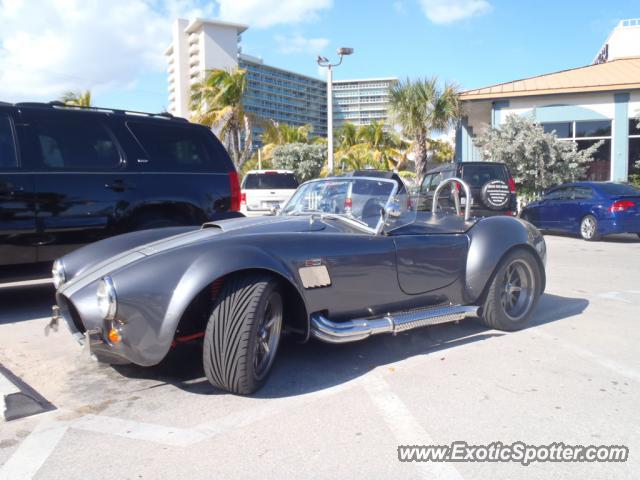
(477,175)
(174,148)
(76,145)
(431,181)
(273,181)
(8,157)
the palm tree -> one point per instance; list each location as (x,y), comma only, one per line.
(216,101)
(370,146)
(421,107)
(77,99)
(347,136)
(280,133)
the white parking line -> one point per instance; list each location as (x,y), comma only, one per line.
(149,432)
(33,451)
(405,427)
(601,360)
(26,283)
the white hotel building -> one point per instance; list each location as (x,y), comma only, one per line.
(361,101)
(271,93)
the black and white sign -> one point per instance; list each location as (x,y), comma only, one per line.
(496,194)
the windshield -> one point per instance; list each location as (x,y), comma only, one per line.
(361,200)
(270,181)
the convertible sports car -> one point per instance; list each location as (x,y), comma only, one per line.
(347,258)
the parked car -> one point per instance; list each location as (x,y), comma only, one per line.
(590,209)
(71,176)
(321,268)
(493,191)
(264,190)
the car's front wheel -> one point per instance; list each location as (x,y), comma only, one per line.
(243,333)
(589,228)
(513,293)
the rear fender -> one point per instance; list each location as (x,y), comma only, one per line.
(490,239)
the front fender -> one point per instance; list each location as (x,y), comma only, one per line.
(490,239)
(153,309)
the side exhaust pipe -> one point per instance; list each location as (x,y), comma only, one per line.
(358,329)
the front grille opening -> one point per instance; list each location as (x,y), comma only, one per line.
(71,310)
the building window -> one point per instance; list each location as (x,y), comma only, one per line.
(585,134)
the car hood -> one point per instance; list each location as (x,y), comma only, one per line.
(97,264)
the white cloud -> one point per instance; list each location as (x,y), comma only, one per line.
(266,13)
(299,44)
(51,46)
(448,11)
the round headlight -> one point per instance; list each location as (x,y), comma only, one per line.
(107,302)
(58,274)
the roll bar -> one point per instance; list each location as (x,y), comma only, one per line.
(467,192)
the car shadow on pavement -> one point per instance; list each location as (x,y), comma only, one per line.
(25,303)
(301,369)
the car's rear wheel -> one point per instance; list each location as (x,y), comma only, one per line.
(243,333)
(589,228)
(513,293)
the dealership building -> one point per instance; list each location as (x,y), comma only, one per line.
(589,104)
(271,92)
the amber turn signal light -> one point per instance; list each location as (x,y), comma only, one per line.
(114,336)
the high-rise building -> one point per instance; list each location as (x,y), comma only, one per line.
(271,93)
(361,101)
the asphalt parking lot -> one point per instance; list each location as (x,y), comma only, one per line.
(334,411)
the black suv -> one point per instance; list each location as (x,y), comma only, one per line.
(493,190)
(70,176)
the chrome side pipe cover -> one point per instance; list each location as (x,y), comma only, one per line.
(358,329)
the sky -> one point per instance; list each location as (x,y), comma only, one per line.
(115,47)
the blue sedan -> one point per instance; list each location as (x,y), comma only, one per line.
(591,209)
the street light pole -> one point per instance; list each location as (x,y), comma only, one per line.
(324,62)
(330,118)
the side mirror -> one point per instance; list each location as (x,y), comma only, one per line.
(394,210)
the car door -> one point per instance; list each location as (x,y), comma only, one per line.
(17,202)
(560,209)
(426,263)
(576,206)
(548,208)
(80,179)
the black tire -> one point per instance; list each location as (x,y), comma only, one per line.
(589,228)
(497,312)
(234,339)
(638,234)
